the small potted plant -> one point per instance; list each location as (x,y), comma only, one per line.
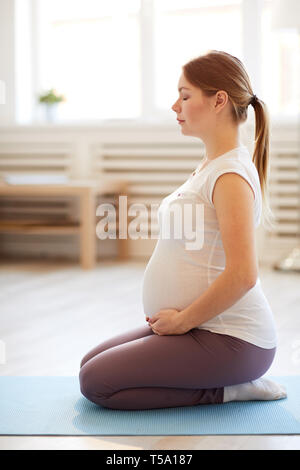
(50,100)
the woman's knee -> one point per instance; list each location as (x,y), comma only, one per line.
(128,336)
(93,377)
(85,359)
(88,387)
(92,353)
(100,395)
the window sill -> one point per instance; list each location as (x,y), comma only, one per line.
(157,123)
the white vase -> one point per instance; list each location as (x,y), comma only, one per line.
(51,112)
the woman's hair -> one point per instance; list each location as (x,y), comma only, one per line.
(218,70)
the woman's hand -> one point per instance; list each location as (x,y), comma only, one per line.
(167,321)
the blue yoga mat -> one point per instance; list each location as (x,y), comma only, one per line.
(55,406)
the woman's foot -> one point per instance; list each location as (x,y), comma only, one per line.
(260,389)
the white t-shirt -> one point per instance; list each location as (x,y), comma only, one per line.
(182,267)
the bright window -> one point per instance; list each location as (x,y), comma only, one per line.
(89,51)
(122,59)
(280,66)
(185,29)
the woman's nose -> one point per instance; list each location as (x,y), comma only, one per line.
(174,107)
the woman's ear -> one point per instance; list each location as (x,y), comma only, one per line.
(221,98)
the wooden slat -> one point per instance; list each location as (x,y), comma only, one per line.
(150,176)
(155,152)
(286,228)
(162,190)
(283,162)
(33,210)
(285,201)
(280,174)
(283,188)
(39,229)
(32,162)
(37,151)
(292,214)
(158,165)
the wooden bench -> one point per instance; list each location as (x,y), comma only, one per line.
(87,192)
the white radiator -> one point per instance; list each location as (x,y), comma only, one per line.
(154,162)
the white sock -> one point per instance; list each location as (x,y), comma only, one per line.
(260,389)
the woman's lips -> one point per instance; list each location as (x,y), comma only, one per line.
(180,122)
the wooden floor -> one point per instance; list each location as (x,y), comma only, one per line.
(52,313)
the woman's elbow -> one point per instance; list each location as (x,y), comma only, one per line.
(244,277)
(252,281)
(249,279)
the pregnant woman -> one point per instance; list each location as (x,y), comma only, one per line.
(210,334)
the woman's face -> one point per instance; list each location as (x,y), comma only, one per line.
(197,111)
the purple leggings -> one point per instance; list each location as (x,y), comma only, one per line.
(142,370)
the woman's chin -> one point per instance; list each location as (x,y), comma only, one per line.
(188,132)
(184,130)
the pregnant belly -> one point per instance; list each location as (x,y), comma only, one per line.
(168,282)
